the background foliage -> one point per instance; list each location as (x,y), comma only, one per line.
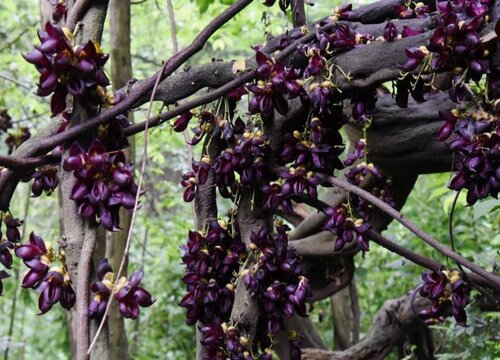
(165,219)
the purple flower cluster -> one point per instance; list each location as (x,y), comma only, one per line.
(318,148)
(341,223)
(477,142)
(65,70)
(128,293)
(44,180)
(456,44)
(224,342)
(104,183)
(276,278)
(198,176)
(13,236)
(45,275)
(412,10)
(340,39)
(211,259)
(441,288)
(248,158)
(274,82)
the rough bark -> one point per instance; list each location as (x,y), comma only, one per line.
(121,73)
(392,322)
(81,236)
(206,210)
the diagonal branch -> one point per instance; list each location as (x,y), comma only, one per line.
(495,280)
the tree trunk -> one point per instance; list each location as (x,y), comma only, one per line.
(81,238)
(121,73)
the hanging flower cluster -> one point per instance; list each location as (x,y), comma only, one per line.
(12,237)
(276,278)
(274,82)
(104,183)
(47,273)
(212,257)
(66,70)
(477,142)
(227,342)
(442,288)
(127,292)
(455,44)
(44,180)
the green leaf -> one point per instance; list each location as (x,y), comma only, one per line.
(486,207)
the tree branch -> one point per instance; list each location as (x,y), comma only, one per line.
(495,280)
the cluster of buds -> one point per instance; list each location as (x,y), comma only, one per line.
(342,223)
(358,173)
(226,342)
(456,43)
(211,258)
(197,176)
(128,293)
(323,98)
(104,183)
(44,180)
(247,158)
(297,182)
(442,288)
(66,70)
(12,237)
(47,273)
(274,80)
(339,39)
(318,148)
(276,278)
(412,10)
(477,141)
(362,104)
(359,152)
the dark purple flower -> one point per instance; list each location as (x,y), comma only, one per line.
(390,31)
(5,255)
(415,56)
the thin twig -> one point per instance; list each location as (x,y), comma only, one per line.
(18,83)
(134,212)
(10,43)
